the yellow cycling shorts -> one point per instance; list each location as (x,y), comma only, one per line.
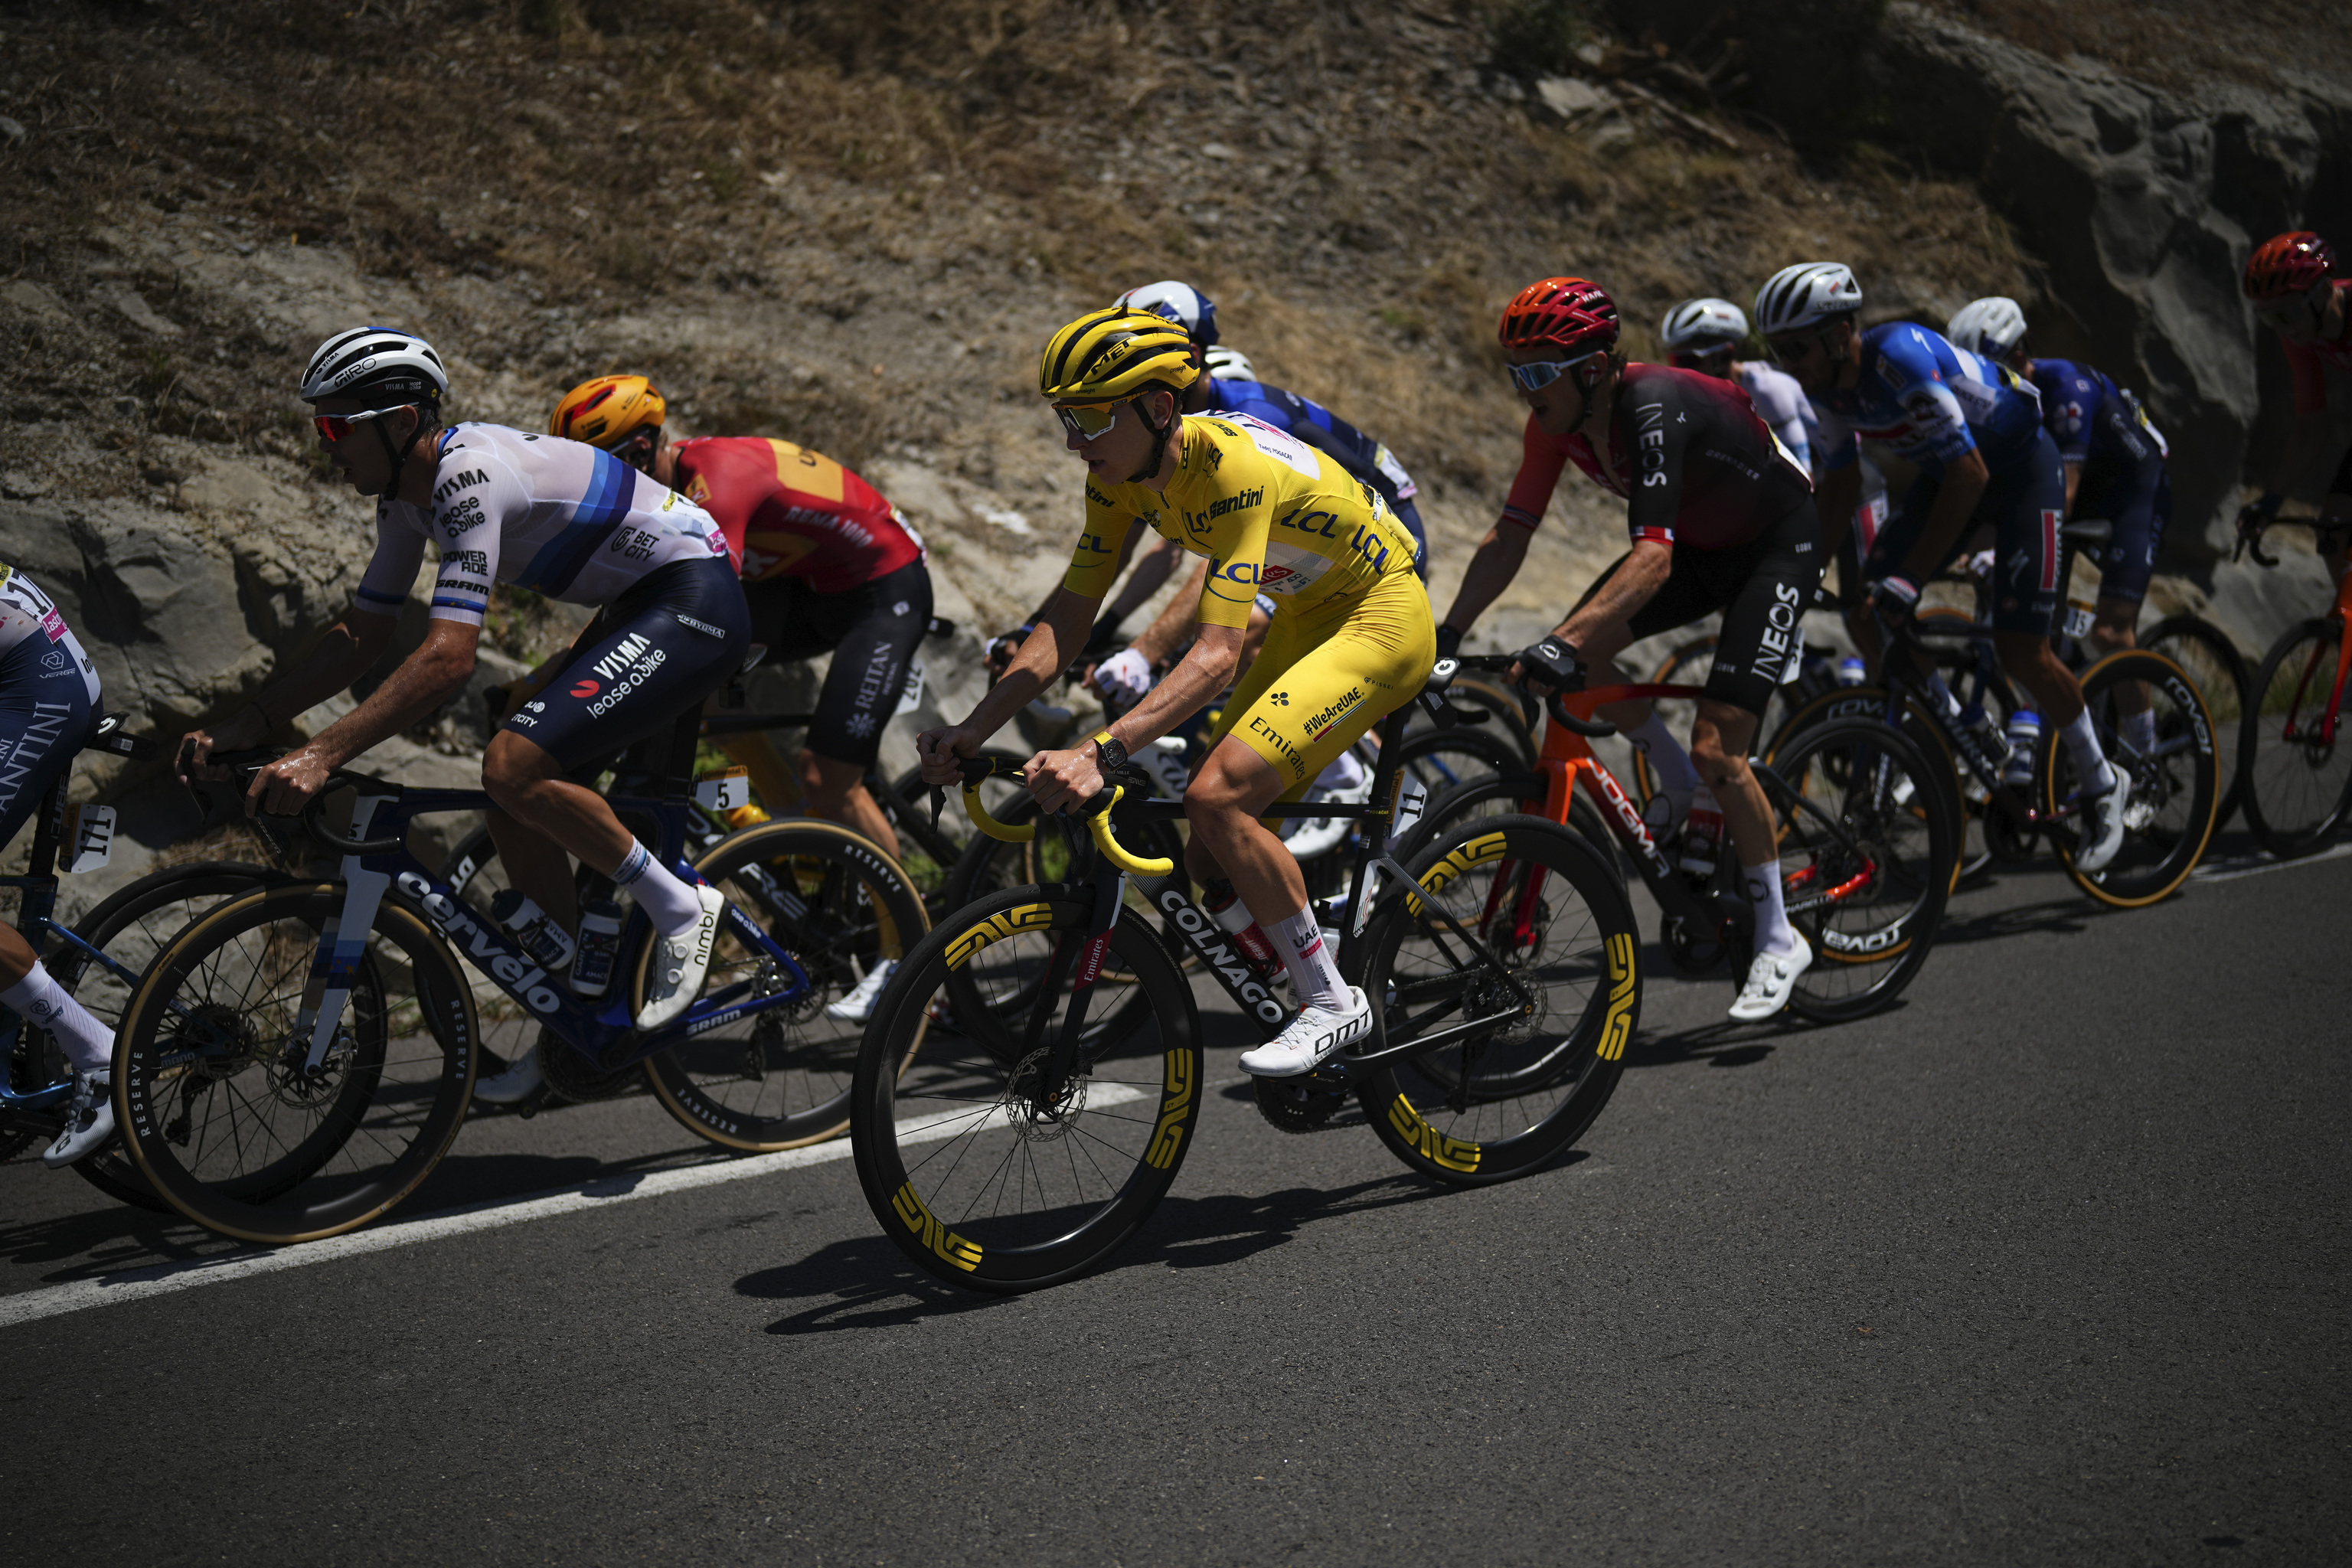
(1327,676)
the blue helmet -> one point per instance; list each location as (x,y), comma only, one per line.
(1179,303)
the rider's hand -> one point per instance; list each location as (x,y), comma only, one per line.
(999,653)
(1449,641)
(1894,596)
(2257,515)
(246,729)
(1548,667)
(940,749)
(1124,676)
(1062,780)
(288,784)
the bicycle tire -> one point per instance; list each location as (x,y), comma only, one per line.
(1510,794)
(1504,1103)
(781,1079)
(2220,671)
(1879,857)
(1442,759)
(2297,789)
(1869,703)
(2176,790)
(930,1097)
(130,925)
(192,1032)
(1516,716)
(909,794)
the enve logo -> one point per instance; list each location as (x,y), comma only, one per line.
(586,689)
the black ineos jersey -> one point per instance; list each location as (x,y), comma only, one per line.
(1696,463)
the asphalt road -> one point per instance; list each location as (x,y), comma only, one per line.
(2049,1263)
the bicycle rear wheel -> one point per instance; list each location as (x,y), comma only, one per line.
(1442,759)
(2297,782)
(1866,859)
(211,1087)
(2212,662)
(2176,782)
(982,1173)
(1555,970)
(780,1078)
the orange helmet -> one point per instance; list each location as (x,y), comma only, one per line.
(608,411)
(2287,266)
(1573,314)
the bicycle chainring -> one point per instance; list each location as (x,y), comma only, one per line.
(1304,1104)
(575,1077)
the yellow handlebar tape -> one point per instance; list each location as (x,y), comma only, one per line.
(1134,865)
(989,824)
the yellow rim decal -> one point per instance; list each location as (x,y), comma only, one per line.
(1175,1109)
(1618,1026)
(964,1254)
(1453,1153)
(1026,917)
(1477,852)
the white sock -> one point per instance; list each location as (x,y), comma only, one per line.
(1314,968)
(87,1044)
(1665,754)
(2090,763)
(670,904)
(1773,934)
(2139,731)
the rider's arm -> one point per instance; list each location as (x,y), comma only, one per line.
(1157,565)
(1965,478)
(998,654)
(425,680)
(1635,582)
(1169,629)
(2074,483)
(1500,555)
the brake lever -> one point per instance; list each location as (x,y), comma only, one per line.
(938,803)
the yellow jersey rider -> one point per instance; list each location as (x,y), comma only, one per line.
(1351,638)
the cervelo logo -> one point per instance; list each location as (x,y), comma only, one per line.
(520,976)
(1209,942)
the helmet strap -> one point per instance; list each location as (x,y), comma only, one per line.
(398,455)
(1160,434)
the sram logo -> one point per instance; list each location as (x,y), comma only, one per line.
(515,972)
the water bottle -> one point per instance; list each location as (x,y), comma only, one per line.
(1702,834)
(600,943)
(1851,671)
(2024,736)
(1233,916)
(548,943)
(1988,733)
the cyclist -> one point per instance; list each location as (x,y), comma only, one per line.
(49,701)
(1721,514)
(1974,430)
(2288,279)
(828,564)
(2113,456)
(559,517)
(1350,641)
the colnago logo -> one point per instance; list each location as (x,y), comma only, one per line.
(519,977)
(1780,621)
(1218,952)
(1319,722)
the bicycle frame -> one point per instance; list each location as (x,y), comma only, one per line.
(2331,714)
(37,890)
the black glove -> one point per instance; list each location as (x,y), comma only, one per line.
(1449,641)
(999,654)
(1894,596)
(1554,663)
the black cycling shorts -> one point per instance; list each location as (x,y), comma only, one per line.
(1762,587)
(48,701)
(872,631)
(2025,501)
(650,656)
(2136,504)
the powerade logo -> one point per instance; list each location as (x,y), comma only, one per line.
(1218,953)
(517,973)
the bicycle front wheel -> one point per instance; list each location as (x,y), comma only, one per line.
(2152,723)
(1004,1154)
(1867,851)
(1517,962)
(2293,757)
(2211,661)
(843,909)
(215,1092)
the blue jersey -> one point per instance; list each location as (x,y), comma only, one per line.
(1931,402)
(2094,422)
(1317,425)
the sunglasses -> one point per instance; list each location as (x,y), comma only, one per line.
(1090,421)
(338,426)
(1796,348)
(1536,378)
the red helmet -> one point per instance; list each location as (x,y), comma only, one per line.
(2288,266)
(1573,314)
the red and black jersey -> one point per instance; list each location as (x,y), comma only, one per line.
(1694,463)
(787,512)
(2303,360)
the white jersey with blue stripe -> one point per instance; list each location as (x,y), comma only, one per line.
(561,517)
(1782,404)
(1928,401)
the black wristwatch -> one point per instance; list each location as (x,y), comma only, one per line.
(1110,754)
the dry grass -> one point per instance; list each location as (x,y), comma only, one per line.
(2175,43)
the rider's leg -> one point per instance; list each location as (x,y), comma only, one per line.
(836,792)
(778,782)
(1223,803)
(1719,739)
(543,818)
(27,989)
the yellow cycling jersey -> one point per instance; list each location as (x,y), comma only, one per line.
(1273,515)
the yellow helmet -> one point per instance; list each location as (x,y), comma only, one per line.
(608,411)
(1112,353)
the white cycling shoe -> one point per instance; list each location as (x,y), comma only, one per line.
(680,962)
(513,1086)
(858,1005)
(89,1120)
(1311,1039)
(2106,812)
(1772,978)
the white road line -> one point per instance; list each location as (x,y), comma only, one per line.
(139,1284)
(2257,865)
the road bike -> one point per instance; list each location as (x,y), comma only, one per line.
(297,1061)
(1033,1075)
(2295,763)
(1866,847)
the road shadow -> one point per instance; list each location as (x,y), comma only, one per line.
(107,1241)
(865,1282)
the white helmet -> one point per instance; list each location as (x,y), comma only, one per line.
(1179,303)
(1229,364)
(1702,323)
(1805,295)
(1992,327)
(380,365)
